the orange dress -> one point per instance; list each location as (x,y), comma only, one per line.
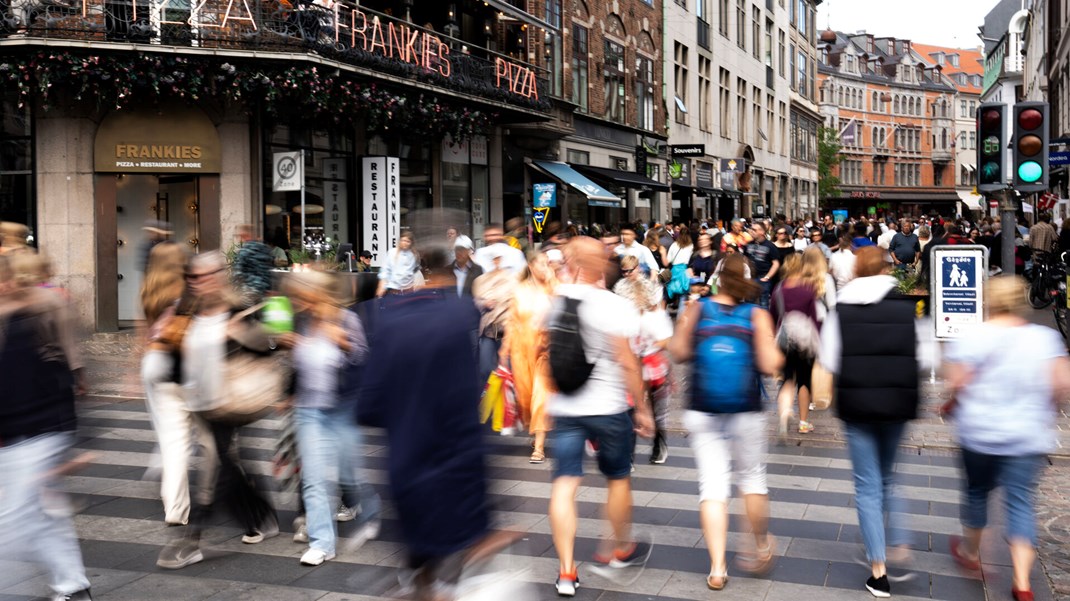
(526,341)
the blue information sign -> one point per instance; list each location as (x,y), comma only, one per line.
(958,289)
(1059,158)
(544,196)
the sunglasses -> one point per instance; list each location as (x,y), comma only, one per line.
(627,271)
(196,276)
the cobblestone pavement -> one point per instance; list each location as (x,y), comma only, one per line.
(112,376)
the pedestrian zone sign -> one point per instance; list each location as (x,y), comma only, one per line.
(958,277)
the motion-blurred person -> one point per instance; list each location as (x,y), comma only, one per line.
(794,306)
(400,273)
(210,336)
(1007,377)
(876,395)
(802,238)
(629,245)
(653,243)
(677,258)
(495,245)
(517,234)
(465,270)
(14,238)
(420,385)
(156,232)
(1064,237)
(597,411)
(252,267)
(729,342)
(328,340)
(524,349)
(172,420)
(634,286)
(37,421)
(703,259)
(765,259)
(842,263)
(493,293)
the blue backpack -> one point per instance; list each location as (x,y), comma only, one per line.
(724,378)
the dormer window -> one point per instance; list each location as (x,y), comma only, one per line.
(939,56)
(954,60)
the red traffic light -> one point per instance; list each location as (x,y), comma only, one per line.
(1030,119)
(991,119)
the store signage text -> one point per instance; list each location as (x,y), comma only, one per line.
(688,150)
(862,194)
(519,80)
(382,206)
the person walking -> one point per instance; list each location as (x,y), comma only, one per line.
(784,245)
(802,238)
(876,395)
(204,345)
(703,259)
(327,342)
(794,306)
(842,263)
(524,349)
(1007,378)
(679,257)
(175,425)
(400,273)
(37,424)
(764,257)
(598,411)
(729,343)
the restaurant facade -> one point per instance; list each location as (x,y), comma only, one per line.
(118,112)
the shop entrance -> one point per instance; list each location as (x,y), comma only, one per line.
(140,198)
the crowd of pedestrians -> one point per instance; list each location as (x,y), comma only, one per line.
(585,331)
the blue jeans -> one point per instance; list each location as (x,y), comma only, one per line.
(1018,475)
(873,449)
(488,358)
(766,294)
(328,441)
(614,435)
(26,531)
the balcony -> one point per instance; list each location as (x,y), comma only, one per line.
(703,34)
(345,34)
(943,156)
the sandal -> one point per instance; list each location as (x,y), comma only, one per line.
(805,427)
(970,563)
(717,582)
(537,457)
(761,561)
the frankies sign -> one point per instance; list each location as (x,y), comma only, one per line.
(382,206)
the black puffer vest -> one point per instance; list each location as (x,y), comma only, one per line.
(878,380)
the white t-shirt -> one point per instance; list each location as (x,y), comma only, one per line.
(204,349)
(654,326)
(512,258)
(842,267)
(641,253)
(680,256)
(604,318)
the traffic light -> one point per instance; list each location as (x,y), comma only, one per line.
(990,149)
(1030,146)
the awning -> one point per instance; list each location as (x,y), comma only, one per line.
(974,202)
(628,179)
(596,195)
(970,167)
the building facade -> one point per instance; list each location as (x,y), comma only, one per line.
(893,112)
(1057,52)
(733,69)
(207,116)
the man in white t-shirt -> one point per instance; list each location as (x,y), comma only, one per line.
(494,246)
(629,245)
(598,411)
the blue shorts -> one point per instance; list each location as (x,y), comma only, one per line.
(614,436)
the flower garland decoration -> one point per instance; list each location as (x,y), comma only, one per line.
(326,97)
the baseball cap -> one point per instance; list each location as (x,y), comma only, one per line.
(366,253)
(464,242)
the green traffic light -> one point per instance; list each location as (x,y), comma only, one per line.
(990,173)
(1030,171)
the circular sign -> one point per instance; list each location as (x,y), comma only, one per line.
(287,168)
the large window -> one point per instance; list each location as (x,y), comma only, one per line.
(705,93)
(579,67)
(613,78)
(17,200)
(726,103)
(722,17)
(644,92)
(680,78)
(756,32)
(741,24)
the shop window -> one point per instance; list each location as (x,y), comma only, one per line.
(17,198)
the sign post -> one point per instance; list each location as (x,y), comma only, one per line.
(288,175)
(958,276)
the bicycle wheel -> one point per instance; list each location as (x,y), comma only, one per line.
(1061,316)
(1037,293)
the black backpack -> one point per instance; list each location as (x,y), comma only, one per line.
(568,362)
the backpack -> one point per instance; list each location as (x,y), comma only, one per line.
(724,378)
(569,367)
(797,332)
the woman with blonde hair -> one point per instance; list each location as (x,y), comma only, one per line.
(173,422)
(795,307)
(524,347)
(1007,377)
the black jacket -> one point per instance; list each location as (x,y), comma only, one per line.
(878,376)
(40,398)
(474,271)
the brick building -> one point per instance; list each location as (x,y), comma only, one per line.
(893,110)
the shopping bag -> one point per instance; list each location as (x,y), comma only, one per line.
(821,387)
(498,403)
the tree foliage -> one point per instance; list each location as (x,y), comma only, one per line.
(828,156)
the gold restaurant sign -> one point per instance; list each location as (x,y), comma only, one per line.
(176,140)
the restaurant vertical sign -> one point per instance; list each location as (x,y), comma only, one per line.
(382,206)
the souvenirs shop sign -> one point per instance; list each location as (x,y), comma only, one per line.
(354,28)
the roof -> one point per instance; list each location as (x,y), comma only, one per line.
(889,51)
(971,62)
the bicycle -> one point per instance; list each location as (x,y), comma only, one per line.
(1044,279)
(1059,306)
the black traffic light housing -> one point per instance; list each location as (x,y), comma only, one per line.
(991,145)
(1030,146)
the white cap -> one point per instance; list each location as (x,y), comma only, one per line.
(464,242)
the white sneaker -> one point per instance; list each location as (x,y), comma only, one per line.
(345,514)
(315,557)
(368,531)
(508,431)
(300,530)
(268,530)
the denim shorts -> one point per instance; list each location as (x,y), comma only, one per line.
(614,436)
(1018,476)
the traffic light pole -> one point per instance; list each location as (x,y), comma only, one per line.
(1009,224)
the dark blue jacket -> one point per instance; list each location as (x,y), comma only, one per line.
(38,393)
(420,384)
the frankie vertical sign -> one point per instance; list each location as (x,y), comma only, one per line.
(382,206)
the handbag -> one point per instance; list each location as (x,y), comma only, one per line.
(821,387)
(666,274)
(253,382)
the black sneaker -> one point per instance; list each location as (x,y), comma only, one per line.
(180,553)
(879,587)
(82,595)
